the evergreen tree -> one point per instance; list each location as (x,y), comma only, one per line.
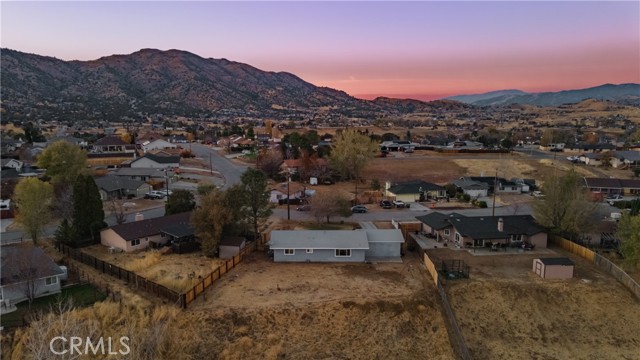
(88,214)
(179,201)
(64,233)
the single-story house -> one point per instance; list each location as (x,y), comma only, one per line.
(11,164)
(475,189)
(481,231)
(593,159)
(605,186)
(413,191)
(509,187)
(280,191)
(142,174)
(630,186)
(335,245)
(490,181)
(112,145)
(27,273)
(180,139)
(230,246)
(553,268)
(157,144)
(140,234)
(625,158)
(115,187)
(156,161)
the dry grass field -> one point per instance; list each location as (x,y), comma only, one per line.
(507,312)
(175,271)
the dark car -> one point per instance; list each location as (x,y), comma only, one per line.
(304,208)
(386,204)
(359,209)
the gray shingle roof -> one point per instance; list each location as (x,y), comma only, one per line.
(414,187)
(383,235)
(486,227)
(437,220)
(173,159)
(114,183)
(144,228)
(557,261)
(20,264)
(318,239)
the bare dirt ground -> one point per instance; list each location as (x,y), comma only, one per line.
(319,311)
(437,171)
(175,271)
(507,312)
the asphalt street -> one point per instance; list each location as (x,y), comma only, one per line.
(229,171)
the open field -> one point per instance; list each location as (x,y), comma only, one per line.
(507,312)
(175,271)
(413,168)
(316,311)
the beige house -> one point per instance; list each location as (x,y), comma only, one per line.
(484,231)
(141,234)
(553,268)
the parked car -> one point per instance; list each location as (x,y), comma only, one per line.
(304,207)
(408,150)
(386,204)
(612,199)
(359,209)
(537,194)
(155,195)
(399,204)
(167,192)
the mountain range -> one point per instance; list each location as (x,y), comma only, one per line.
(506,97)
(181,83)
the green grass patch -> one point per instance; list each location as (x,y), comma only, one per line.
(81,295)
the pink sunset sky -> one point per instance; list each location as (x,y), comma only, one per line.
(423,50)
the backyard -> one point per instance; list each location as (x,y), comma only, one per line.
(507,312)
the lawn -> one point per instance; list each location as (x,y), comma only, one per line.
(81,295)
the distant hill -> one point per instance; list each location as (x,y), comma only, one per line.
(157,81)
(622,92)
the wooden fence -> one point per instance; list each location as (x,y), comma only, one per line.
(601,262)
(130,277)
(190,295)
(455,334)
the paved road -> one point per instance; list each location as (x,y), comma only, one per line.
(229,171)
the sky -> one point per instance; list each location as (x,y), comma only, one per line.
(420,49)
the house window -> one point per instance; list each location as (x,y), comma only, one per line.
(309,251)
(51,280)
(289,252)
(516,237)
(457,236)
(135,242)
(447,232)
(343,252)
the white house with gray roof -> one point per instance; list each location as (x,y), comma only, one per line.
(336,245)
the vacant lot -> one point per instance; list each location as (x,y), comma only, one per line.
(319,311)
(175,271)
(437,170)
(507,312)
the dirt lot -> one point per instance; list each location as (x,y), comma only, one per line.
(175,271)
(319,311)
(507,312)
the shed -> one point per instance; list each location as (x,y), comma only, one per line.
(230,246)
(553,268)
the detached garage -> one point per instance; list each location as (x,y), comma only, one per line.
(553,268)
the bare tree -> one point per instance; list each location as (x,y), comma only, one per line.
(63,204)
(269,162)
(331,204)
(117,209)
(25,267)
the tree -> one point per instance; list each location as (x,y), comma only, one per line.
(566,207)
(375,185)
(324,206)
(27,269)
(254,199)
(179,201)
(64,233)
(210,220)
(64,162)
(88,213)
(33,134)
(351,152)
(117,209)
(506,143)
(33,200)
(204,189)
(269,161)
(629,234)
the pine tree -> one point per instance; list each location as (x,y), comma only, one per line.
(88,214)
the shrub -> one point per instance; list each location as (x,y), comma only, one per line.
(482,204)
(466,197)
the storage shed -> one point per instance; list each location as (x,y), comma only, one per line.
(553,268)
(230,246)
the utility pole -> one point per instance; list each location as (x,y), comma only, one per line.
(288,199)
(210,164)
(495,189)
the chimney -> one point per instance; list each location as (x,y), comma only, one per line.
(139,217)
(500,225)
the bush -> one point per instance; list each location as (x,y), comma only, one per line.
(482,204)
(466,197)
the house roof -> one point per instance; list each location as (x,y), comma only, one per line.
(21,263)
(232,241)
(140,172)
(438,221)
(610,183)
(469,184)
(557,261)
(172,159)
(318,239)
(486,227)
(630,155)
(9,173)
(110,141)
(5,162)
(179,230)
(630,183)
(143,228)
(414,187)
(113,183)
(489,180)
(383,235)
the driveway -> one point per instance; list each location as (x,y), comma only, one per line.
(230,172)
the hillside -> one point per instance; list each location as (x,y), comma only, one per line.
(622,92)
(157,81)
